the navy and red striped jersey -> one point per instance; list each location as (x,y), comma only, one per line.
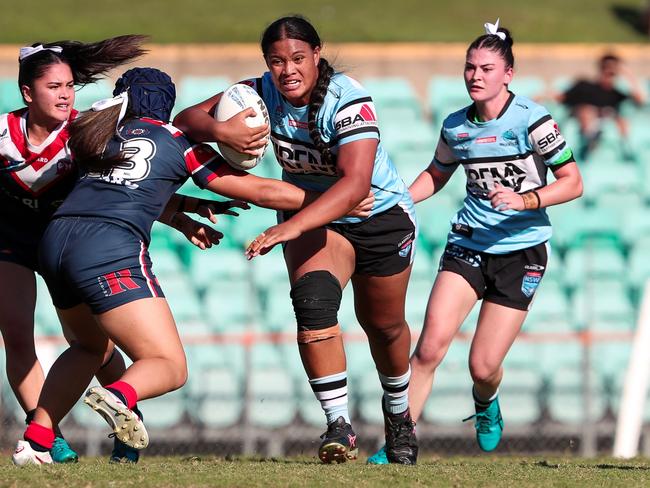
(135,192)
(34,180)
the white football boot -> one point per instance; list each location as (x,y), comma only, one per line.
(25,455)
(126,425)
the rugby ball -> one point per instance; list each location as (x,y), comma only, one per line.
(235,99)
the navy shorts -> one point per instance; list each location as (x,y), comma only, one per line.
(505,279)
(91,261)
(19,241)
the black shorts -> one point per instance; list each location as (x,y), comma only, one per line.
(505,279)
(384,244)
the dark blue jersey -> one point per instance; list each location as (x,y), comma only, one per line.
(135,192)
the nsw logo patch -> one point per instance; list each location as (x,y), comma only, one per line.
(530,283)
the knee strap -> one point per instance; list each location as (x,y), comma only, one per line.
(316,299)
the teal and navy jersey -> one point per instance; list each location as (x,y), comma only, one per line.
(347,115)
(514,150)
(134,193)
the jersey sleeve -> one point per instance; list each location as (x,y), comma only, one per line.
(444,158)
(547,141)
(355,116)
(203,163)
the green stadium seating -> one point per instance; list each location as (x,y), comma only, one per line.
(417,297)
(230,305)
(250,224)
(603,305)
(574,225)
(434,221)
(368,391)
(636,226)
(597,178)
(269,269)
(411,162)
(195,89)
(166,262)
(182,298)
(165,411)
(272,402)
(450,400)
(392,92)
(45,317)
(278,311)
(419,136)
(446,94)
(10,97)
(519,396)
(596,259)
(527,86)
(215,396)
(550,311)
(89,94)
(639,264)
(218,264)
(565,400)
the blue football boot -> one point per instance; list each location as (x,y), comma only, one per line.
(61,451)
(379,457)
(489,425)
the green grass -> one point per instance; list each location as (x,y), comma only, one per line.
(484,471)
(337,20)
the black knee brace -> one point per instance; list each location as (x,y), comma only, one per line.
(316,297)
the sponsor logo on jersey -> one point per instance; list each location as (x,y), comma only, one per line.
(298,123)
(481,180)
(509,138)
(295,157)
(355,117)
(486,140)
(462,135)
(530,283)
(519,104)
(405,245)
(137,132)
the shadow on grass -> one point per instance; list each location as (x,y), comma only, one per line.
(620,467)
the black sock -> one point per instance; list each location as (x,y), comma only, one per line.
(36,446)
(29,416)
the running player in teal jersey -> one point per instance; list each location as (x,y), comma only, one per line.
(498,245)
(326,138)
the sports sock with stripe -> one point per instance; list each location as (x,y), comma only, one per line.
(332,393)
(396,392)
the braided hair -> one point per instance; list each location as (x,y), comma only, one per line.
(503,47)
(299,28)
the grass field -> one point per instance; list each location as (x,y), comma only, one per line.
(485,471)
(337,20)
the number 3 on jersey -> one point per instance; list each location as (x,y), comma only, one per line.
(136,166)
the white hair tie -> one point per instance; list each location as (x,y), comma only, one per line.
(121,99)
(29,50)
(493,30)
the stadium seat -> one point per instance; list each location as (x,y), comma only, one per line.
(598,258)
(368,391)
(446,95)
(434,221)
(164,411)
(272,402)
(417,297)
(566,402)
(597,178)
(215,396)
(636,226)
(269,269)
(165,262)
(195,89)
(278,311)
(527,86)
(573,224)
(250,224)
(182,298)
(419,136)
(230,305)
(89,94)
(218,264)
(603,305)
(519,396)
(10,97)
(638,270)
(392,92)
(451,396)
(45,317)
(411,162)
(550,311)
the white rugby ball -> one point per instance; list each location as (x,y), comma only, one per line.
(235,99)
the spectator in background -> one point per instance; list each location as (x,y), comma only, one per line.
(591,101)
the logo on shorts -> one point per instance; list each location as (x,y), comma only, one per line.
(405,245)
(530,282)
(117,282)
(462,254)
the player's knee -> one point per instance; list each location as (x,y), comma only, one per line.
(178,374)
(316,298)
(385,330)
(483,371)
(428,355)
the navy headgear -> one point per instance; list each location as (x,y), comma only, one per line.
(151,92)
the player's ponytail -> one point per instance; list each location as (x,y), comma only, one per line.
(90,132)
(297,27)
(325,73)
(87,61)
(497,39)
